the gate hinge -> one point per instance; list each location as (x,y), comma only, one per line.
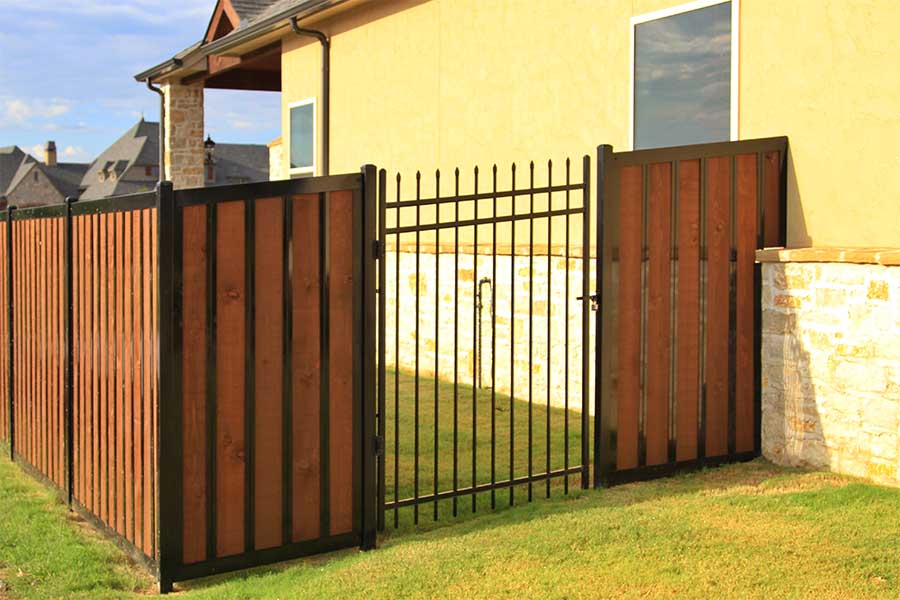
(379,445)
(377,250)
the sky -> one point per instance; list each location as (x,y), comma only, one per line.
(67,74)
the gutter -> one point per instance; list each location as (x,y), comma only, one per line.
(240,36)
(326,87)
(162,128)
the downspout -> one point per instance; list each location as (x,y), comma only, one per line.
(326,86)
(162,128)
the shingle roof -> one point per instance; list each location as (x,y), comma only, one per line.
(64,177)
(139,146)
(240,162)
(11,158)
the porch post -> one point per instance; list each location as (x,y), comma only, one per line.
(184,135)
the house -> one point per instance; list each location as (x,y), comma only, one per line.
(34,183)
(130,165)
(423,84)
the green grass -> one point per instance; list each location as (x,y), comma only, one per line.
(750,530)
(743,531)
(465,401)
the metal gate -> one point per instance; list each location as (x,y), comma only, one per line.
(678,344)
(483,361)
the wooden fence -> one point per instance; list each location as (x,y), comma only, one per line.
(194,370)
(678,334)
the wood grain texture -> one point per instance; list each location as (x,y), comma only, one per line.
(306,364)
(230,378)
(194,300)
(268,378)
(745,325)
(718,239)
(772,220)
(687,358)
(659,313)
(630,250)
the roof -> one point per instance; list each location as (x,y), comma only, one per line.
(240,162)
(256,17)
(139,146)
(65,179)
(11,158)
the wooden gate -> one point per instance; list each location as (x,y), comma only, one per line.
(678,332)
(269,407)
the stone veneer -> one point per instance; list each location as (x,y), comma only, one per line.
(184,152)
(549,275)
(831,360)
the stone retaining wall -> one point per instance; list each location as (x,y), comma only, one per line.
(831,360)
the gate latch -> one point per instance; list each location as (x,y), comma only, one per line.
(595,301)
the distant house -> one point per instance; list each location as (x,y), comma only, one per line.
(27,182)
(130,165)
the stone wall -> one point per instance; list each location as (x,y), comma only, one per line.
(436,332)
(184,152)
(831,361)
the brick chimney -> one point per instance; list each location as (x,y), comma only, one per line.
(50,154)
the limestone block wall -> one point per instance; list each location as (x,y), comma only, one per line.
(831,360)
(184,152)
(436,323)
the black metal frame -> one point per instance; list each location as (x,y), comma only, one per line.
(520,212)
(609,165)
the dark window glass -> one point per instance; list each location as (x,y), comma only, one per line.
(302,125)
(682,78)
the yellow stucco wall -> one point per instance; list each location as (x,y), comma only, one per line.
(425,84)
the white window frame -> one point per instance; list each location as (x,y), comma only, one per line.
(315,138)
(735,57)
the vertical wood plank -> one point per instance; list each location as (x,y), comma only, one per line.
(659,314)
(194,257)
(269,350)
(630,251)
(118,393)
(96,365)
(745,318)
(136,365)
(148,288)
(306,364)
(127,354)
(230,378)
(687,360)
(718,228)
(341,349)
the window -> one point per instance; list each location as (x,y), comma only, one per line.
(148,171)
(684,75)
(303,137)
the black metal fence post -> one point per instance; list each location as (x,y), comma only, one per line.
(169,466)
(602,459)
(11,405)
(68,395)
(369,436)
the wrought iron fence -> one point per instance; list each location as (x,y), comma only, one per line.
(446,433)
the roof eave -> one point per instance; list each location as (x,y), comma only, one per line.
(239,37)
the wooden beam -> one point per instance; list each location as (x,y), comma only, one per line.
(246,79)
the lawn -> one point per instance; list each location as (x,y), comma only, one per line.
(503,430)
(750,530)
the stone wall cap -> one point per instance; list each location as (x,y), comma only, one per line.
(866,256)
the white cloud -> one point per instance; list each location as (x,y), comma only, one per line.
(19,112)
(75,153)
(36,151)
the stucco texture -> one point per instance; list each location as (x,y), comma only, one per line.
(445,83)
